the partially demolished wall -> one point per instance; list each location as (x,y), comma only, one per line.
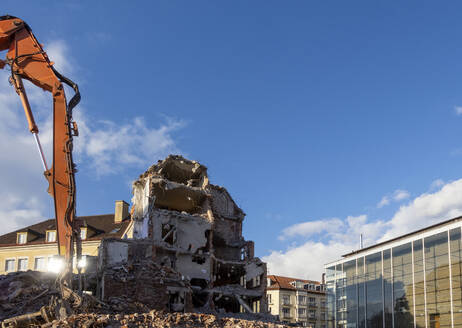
(184,222)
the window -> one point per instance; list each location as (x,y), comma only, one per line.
(286,312)
(255,306)
(22,264)
(51,236)
(83,233)
(374,287)
(39,264)
(312,301)
(438,303)
(286,299)
(301,299)
(312,314)
(9,265)
(309,287)
(268,296)
(456,272)
(301,312)
(22,237)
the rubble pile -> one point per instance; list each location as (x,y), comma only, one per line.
(158,319)
(141,293)
(142,286)
(24,292)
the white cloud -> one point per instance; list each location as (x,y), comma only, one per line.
(307,260)
(397,196)
(310,228)
(436,184)
(427,209)
(458,110)
(112,147)
(383,202)
(16,212)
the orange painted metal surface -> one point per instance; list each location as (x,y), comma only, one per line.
(28,61)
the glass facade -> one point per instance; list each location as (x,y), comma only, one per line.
(413,284)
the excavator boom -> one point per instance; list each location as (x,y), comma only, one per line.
(27,60)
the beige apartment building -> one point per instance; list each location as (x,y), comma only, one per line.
(297,301)
(35,247)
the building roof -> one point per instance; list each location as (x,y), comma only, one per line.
(280,282)
(98,227)
(459,218)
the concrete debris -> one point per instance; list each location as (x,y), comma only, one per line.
(144,285)
(158,319)
(32,292)
(24,292)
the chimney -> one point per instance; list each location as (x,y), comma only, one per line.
(121,211)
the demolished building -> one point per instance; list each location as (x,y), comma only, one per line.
(184,222)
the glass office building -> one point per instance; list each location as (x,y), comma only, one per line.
(413,281)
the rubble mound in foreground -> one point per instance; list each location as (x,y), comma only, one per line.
(27,292)
(158,319)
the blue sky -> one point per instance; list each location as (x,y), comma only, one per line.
(305,111)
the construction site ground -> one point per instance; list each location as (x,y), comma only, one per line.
(27,292)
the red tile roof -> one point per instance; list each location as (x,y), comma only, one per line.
(280,282)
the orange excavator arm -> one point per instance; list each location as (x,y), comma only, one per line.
(27,60)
